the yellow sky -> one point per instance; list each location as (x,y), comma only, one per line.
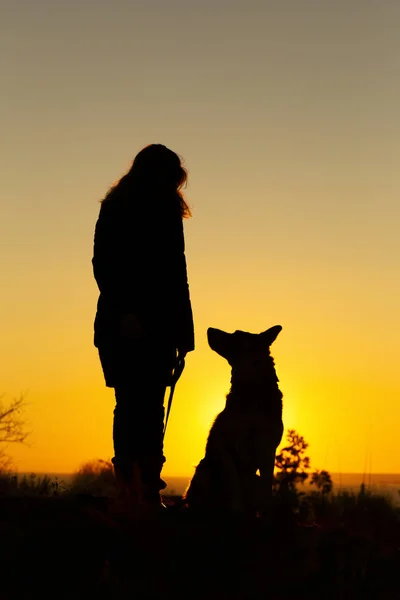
(287,117)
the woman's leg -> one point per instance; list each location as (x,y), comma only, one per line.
(138,429)
(139,417)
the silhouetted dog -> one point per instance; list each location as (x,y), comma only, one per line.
(245,435)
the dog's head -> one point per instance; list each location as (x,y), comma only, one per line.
(247,353)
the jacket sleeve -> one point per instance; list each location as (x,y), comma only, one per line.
(182,310)
(110,267)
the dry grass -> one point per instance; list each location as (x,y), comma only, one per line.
(75,545)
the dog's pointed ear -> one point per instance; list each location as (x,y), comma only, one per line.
(270,335)
(219,341)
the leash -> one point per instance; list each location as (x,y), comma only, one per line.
(180,365)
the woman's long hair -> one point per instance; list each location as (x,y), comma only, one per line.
(156,170)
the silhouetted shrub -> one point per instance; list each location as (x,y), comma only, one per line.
(291,464)
(12,484)
(95,478)
(322,481)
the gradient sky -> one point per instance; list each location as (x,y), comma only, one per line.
(287,115)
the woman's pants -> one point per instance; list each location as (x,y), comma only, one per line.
(139,375)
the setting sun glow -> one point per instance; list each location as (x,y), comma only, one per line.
(288,124)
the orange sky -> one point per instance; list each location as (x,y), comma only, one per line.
(287,116)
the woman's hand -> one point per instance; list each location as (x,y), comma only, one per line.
(181,354)
(130,327)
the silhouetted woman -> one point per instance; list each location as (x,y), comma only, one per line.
(144,315)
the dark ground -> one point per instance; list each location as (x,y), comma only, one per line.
(80,547)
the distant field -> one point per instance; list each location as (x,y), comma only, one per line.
(383,483)
(346,547)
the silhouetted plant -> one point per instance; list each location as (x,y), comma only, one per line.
(95,478)
(322,481)
(32,485)
(58,486)
(291,466)
(8,483)
(291,463)
(12,427)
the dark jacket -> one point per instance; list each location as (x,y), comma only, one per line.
(140,267)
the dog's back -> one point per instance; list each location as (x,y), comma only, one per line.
(245,435)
